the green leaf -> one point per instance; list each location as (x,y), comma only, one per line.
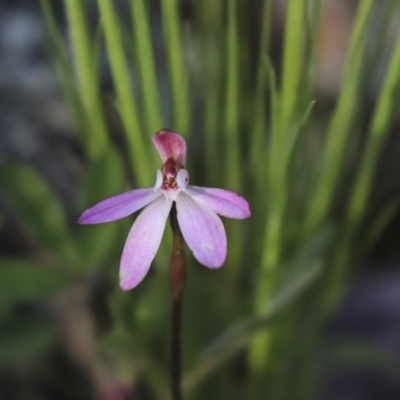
(24,280)
(23,338)
(40,212)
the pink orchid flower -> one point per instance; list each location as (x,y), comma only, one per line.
(197,210)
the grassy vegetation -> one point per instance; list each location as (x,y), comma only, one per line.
(250,120)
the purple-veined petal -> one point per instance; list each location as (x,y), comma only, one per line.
(223,202)
(143,242)
(119,206)
(202,230)
(170,145)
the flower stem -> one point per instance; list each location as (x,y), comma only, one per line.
(178,278)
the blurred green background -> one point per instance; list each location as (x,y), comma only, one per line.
(293,104)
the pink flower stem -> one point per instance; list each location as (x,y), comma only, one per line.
(178,278)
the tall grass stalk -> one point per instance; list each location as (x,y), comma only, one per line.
(126,103)
(232,117)
(65,73)
(277,178)
(386,106)
(258,140)
(178,77)
(211,30)
(86,66)
(340,125)
(145,60)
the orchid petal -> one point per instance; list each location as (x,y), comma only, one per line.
(202,230)
(182,179)
(143,242)
(170,145)
(119,206)
(223,202)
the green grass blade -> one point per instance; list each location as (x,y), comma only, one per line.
(275,100)
(89,86)
(292,62)
(177,73)
(314,18)
(295,136)
(381,121)
(265,284)
(380,222)
(233,170)
(145,60)
(126,102)
(341,123)
(262,168)
(232,102)
(64,72)
(211,13)
(388,102)
(258,139)
(277,185)
(378,51)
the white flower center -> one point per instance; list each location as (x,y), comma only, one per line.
(171,186)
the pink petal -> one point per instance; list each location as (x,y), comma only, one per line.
(223,202)
(143,242)
(170,145)
(119,206)
(202,230)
